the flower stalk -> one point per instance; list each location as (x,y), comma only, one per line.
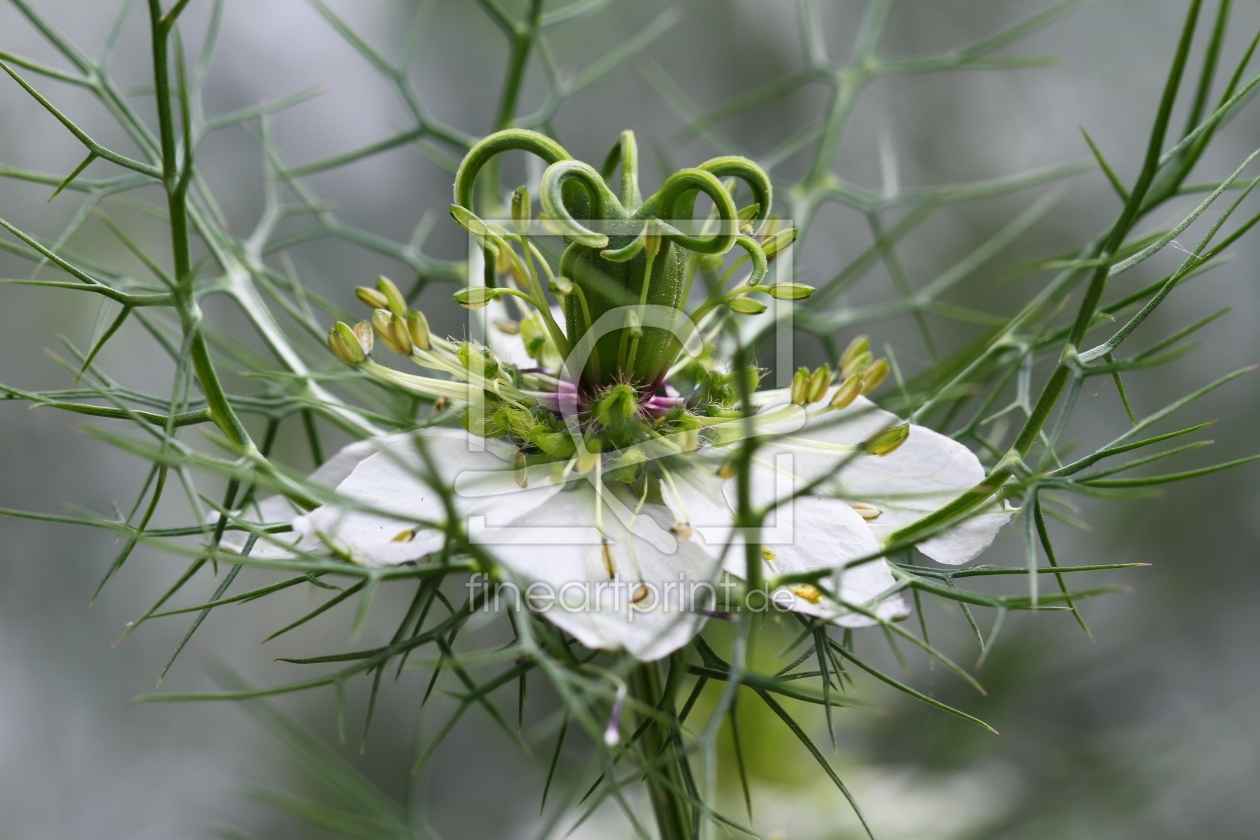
(660,746)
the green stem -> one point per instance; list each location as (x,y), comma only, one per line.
(1058,381)
(522,38)
(746,517)
(176,185)
(544,308)
(847,83)
(522,43)
(665,779)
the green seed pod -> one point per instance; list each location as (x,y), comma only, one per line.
(605,269)
(887,441)
(606,285)
(394,298)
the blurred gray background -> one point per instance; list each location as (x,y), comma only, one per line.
(1152,730)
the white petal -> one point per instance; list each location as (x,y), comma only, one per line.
(561,563)
(269,511)
(925,473)
(274,509)
(693,493)
(338,468)
(814,532)
(405,523)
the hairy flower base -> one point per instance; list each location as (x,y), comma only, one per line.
(638,566)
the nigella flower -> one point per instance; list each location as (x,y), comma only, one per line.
(595,475)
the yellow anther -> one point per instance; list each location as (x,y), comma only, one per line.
(874,375)
(885,442)
(819,382)
(799,392)
(371,297)
(610,565)
(856,347)
(418,326)
(847,392)
(807,591)
(395,302)
(363,332)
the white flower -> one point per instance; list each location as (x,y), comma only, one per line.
(618,571)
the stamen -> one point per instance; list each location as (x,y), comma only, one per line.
(630,530)
(673,488)
(610,565)
(406,535)
(874,375)
(807,591)
(796,444)
(847,392)
(520,467)
(867,512)
(819,382)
